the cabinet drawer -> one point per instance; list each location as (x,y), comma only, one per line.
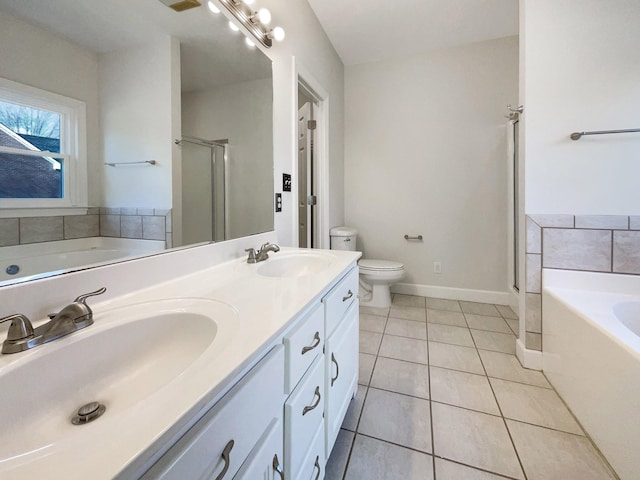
(265,460)
(303,413)
(226,434)
(312,467)
(339,299)
(302,346)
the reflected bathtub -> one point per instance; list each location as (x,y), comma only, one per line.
(591,355)
(27,262)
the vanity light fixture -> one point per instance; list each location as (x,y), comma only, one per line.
(212,7)
(254,22)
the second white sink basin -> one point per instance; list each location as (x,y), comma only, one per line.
(295,264)
(125,360)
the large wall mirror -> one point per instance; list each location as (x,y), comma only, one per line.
(179,142)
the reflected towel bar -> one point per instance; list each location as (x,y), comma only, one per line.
(115,164)
(407,237)
(578,135)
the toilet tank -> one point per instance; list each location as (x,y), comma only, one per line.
(343,238)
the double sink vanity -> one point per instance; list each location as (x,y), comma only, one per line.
(222,369)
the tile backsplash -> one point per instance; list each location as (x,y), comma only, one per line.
(598,243)
(140,223)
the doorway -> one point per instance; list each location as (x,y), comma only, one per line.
(307,191)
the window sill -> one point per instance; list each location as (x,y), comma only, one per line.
(41,212)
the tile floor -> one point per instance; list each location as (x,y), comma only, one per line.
(442,396)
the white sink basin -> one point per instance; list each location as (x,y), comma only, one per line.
(128,360)
(295,264)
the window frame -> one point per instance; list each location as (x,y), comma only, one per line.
(73,139)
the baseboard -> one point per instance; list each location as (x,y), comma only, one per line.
(468,295)
(528,358)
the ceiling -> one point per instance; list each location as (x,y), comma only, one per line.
(365,31)
(110,25)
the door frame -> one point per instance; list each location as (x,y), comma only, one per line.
(303,79)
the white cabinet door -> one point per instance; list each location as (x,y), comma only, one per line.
(341,357)
(312,467)
(265,460)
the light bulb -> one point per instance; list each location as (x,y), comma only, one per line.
(277,34)
(212,7)
(249,43)
(264,16)
(248,2)
(233,27)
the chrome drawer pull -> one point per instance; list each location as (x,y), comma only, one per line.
(276,467)
(333,359)
(317,465)
(225,456)
(306,410)
(316,342)
(349,295)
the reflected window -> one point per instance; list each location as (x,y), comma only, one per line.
(42,161)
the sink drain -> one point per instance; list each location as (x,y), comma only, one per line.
(88,413)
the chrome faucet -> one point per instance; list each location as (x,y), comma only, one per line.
(262,254)
(22,336)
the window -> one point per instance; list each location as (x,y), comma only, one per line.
(42,148)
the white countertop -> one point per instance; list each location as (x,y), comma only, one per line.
(265,307)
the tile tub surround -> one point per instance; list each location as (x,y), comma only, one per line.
(464,412)
(595,243)
(138,223)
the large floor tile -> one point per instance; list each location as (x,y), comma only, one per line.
(446,470)
(450,334)
(372,323)
(474,438)
(455,357)
(370,342)
(552,455)
(540,406)
(485,322)
(408,300)
(352,417)
(446,317)
(463,390)
(506,312)
(373,459)
(514,325)
(366,363)
(507,367)
(398,419)
(406,328)
(497,342)
(337,461)
(479,308)
(403,348)
(382,312)
(408,313)
(401,377)
(443,304)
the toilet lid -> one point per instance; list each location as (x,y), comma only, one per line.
(371,264)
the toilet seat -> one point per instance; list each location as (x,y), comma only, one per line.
(372,265)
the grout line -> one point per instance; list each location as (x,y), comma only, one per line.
(433,440)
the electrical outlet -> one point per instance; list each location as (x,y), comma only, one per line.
(278,202)
(437,267)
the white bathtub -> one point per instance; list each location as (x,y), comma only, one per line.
(35,259)
(591,355)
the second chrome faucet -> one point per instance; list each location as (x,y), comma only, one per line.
(262,254)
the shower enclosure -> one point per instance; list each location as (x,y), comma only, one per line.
(204,189)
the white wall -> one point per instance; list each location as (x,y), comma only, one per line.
(37,58)
(581,72)
(425,153)
(136,95)
(307,42)
(242,113)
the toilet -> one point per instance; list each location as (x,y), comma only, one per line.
(376,276)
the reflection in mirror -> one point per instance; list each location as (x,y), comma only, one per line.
(177,88)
